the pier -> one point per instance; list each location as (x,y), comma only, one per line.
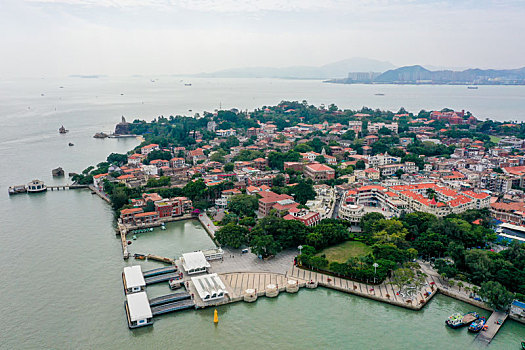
(169,298)
(160,271)
(494,323)
(160,278)
(66,187)
(171,307)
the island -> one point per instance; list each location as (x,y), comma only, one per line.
(392,206)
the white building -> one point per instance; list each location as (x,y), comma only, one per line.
(150,169)
(138,310)
(194,262)
(226,132)
(209,287)
(373,128)
(133,279)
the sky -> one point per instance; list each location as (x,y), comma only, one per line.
(126,37)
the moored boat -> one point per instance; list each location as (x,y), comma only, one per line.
(17,189)
(62,130)
(458,320)
(477,325)
(36,186)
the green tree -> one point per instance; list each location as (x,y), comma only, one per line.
(158,154)
(228,167)
(303,148)
(303,192)
(119,198)
(360,165)
(497,295)
(243,204)
(278,181)
(195,189)
(232,235)
(320,159)
(117,158)
(348,135)
(264,246)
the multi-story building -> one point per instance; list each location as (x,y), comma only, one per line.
(318,172)
(177,162)
(356,126)
(226,132)
(270,200)
(374,128)
(149,148)
(512,213)
(309,218)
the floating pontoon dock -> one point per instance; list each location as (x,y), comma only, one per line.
(170,307)
(160,271)
(493,324)
(160,278)
(169,298)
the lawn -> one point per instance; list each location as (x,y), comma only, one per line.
(342,252)
(494,139)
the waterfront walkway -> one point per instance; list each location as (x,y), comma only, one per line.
(208,225)
(384,292)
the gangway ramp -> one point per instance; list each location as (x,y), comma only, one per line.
(169,298)
(171,307)
(159,271)
(160,278)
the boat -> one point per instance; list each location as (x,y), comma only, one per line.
(162,227)
(140,256)
(62,130)
(175,283)
(17,189)
(472,87)
(458,320)
(477,325)
(380,94)
(71,144)
(36,186)
(523,345)
(134,237)
(187,84)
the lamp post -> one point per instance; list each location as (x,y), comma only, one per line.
(300,248)
(375,270)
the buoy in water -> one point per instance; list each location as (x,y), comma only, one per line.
(215,317)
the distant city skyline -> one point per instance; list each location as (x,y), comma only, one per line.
(125,37)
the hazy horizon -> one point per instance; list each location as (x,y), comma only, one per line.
(183,37)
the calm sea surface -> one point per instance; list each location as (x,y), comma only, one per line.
(61,261)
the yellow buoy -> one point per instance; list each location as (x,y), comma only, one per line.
(215,317)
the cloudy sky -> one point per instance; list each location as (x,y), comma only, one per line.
(122,37)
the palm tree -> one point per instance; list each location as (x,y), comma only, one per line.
(431,193)
(460,284)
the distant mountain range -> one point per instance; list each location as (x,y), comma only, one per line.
(328,71)
(420,75)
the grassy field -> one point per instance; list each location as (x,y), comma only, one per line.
(346,250)
(494,139)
